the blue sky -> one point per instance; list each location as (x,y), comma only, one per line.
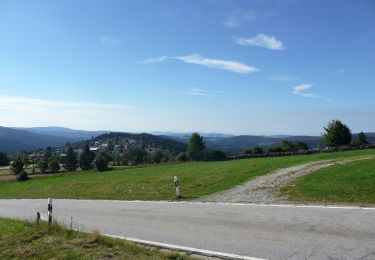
(240,67)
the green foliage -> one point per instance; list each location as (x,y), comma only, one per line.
(287,146)
(101,162)
(135,156)
(86,158)
(22,176)
(4,159)
(361,140)
(253,150)
(17,165)
(43,165)
(182,157)
(48,153)
(337,134)
(196,145)
(70,160)
(157,156)
(54,165)
(211,155)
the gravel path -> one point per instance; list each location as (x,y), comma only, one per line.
(265,189)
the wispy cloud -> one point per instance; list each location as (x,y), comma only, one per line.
(262,40)
(339,72)
(108,40)
(229,65)
(154,60)
(301,91)
(202,92)
(32,104)
(235,18)
(284,78)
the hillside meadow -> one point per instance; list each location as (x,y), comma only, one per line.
(155,182)
(24,240)
(352,183)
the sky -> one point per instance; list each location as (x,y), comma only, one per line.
(238,67)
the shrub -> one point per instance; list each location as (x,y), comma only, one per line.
(54,165)
(182,157)
(43,166)
(101,162)
(22,176)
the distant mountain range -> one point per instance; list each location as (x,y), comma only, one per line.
(233,145)
(14,140)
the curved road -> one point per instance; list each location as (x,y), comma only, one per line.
(262,231)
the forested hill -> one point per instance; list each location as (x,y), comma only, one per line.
(119,141)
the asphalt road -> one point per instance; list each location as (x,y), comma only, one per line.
(271,232)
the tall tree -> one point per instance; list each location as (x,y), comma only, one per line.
(70,160)
(4,159)
(48,153)
(86,158)
(337,134)
(196,145)
(17,165)
(361,139)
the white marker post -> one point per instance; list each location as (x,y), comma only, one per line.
(177,185)
(49,211)
(45,217)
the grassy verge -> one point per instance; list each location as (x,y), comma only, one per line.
(155,182)
(23,240)
(352,183)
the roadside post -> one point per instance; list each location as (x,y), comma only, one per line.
(45,217)
(49,211)
(177,185)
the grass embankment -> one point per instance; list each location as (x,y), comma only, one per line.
(155,182)
(348,183)
(23,240)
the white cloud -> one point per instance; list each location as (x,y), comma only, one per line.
(229,65)
(32,104)
(338,72)
(300,88)
(154,60)
(108,40)
(284,78)
(202,92)
(235,18)
(261,40)
(301,91)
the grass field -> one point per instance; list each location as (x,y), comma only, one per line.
(23,240)
(349,183)
(155,182)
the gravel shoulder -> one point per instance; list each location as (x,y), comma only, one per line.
(265,189)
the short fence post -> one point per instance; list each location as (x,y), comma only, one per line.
(37,217)
(177,185)
(49,211)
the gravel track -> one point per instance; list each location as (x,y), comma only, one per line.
(265,189)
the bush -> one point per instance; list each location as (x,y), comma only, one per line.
(43,166)
(211,155)
(22,176)
(254,150)
(101,162)
(54,165)
(182,157)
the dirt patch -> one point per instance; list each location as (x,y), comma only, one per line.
(265,189)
